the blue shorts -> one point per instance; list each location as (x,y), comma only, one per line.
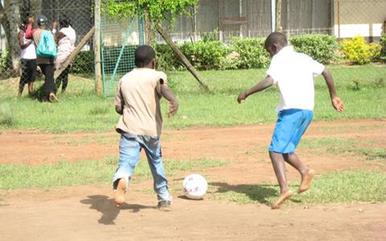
(290,126)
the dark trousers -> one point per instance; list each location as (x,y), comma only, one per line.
(49,85)
(63,79)
(28,71)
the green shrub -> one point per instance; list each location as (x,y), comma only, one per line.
(205,55)
(166,59)
(251,53)
(320,47)
(383,44)
(358,51)
(5,63)
(83,63)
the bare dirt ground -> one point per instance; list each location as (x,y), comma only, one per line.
(86,213)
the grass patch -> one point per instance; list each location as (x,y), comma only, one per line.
(345,147)
(15,176)
(335,187)
(80,110)
(7,118)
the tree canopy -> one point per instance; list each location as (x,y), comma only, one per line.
(157,10)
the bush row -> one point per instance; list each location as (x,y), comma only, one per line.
(250,52)
(238,54)
(242,53)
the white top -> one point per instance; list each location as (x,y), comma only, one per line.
(29,52)
(70,33)
(294,73)
(65,46)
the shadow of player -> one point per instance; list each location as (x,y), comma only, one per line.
(109,211)
(259,193)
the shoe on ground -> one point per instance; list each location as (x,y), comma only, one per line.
(164,204)
(52,98)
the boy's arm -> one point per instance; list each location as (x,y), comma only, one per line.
(337,103)
(118,101)
(168,95)
(262,85)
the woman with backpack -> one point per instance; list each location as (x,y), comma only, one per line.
(46,53)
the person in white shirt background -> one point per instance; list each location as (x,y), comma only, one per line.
(66,38)
(27,58)
(293,72)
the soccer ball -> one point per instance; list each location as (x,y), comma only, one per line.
(195,186)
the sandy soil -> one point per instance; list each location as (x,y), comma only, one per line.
(86,213)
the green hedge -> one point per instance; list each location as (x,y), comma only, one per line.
(205,55)
(383,44)
(320,47)
(251,53)
(238,54)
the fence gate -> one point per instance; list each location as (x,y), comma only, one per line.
(119,39)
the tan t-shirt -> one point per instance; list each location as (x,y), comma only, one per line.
(138,96)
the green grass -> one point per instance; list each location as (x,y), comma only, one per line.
(335,187)
(16,176)
(362,88)
(346,147)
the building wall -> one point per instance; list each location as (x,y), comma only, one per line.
(359,17)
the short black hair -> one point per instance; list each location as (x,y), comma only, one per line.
(276,38)
(144,54)
(64,22)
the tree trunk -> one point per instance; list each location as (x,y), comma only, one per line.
(181,56)
(149,34)
(12,14)
(278,27)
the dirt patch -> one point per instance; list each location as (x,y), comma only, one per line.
(85,212)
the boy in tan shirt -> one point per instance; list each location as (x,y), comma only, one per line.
(138,102)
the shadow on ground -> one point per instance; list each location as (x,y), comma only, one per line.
(260,193)
(105,205)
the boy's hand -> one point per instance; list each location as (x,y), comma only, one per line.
(337,103)
(242,97)
(173,107)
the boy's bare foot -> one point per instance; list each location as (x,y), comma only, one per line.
(281,199)
(119,193)
(306,181)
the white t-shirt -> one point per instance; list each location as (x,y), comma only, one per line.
(29,52)
(294,73)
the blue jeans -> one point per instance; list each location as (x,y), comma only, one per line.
(130,147)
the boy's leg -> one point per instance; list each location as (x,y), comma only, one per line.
(129,150)
(305,172)
(154,156)
(279,168)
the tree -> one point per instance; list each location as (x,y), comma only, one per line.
(156,12)
(9,19)
(10,16)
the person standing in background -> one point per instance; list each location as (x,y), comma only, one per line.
(27,58)
(65,39)
(46,63)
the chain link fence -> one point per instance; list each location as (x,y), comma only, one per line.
(79,13)
(212,19)
(119,39)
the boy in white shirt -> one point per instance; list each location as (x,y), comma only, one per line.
(293,73)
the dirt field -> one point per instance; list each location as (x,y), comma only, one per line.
(86,213)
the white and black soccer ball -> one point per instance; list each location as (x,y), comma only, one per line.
(195,186)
